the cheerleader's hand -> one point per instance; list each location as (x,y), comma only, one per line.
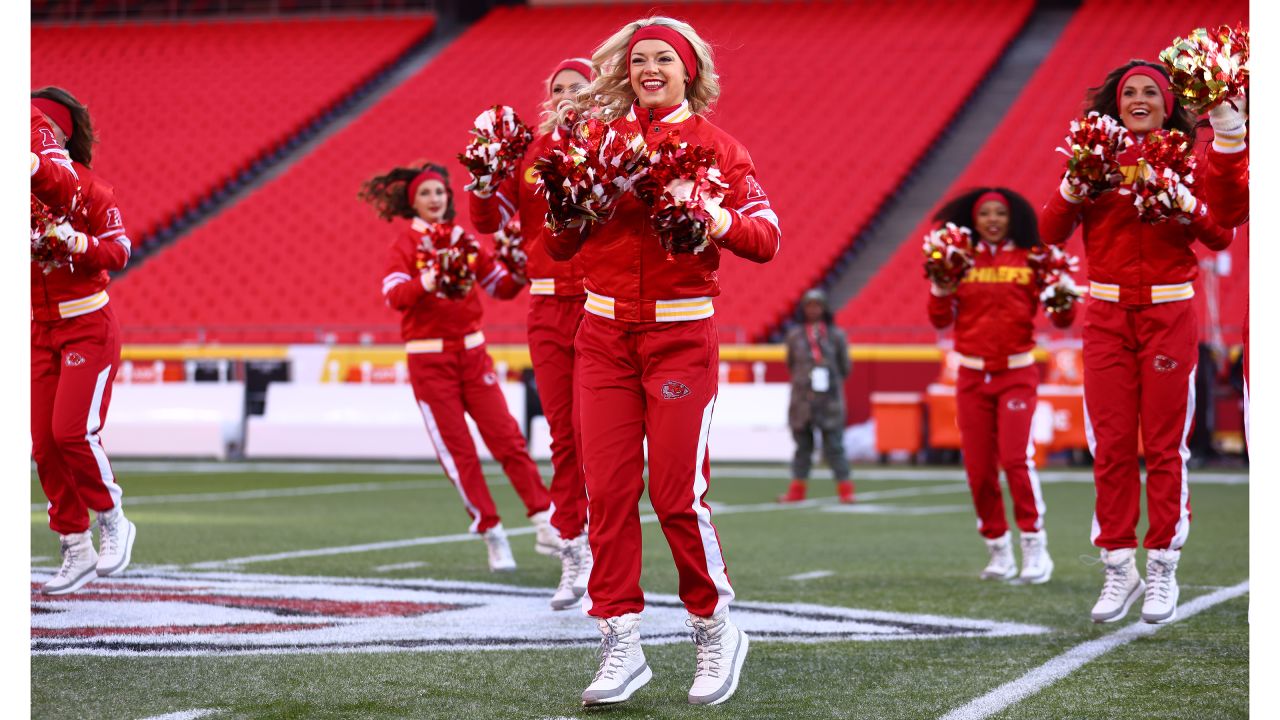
(1072,189)
(428,278)
(75,241)
(720,218)
(941,290)
(1228,120)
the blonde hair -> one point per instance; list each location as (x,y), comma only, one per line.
(610,94)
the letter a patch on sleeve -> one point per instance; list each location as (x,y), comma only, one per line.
(754,190)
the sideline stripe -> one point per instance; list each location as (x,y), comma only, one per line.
(1066,663)
(274,493)
(719,471)
(185,714)
(465,537)
(400,566)
(812,575)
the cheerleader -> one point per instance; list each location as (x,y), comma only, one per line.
(449,367)
(75,351)
(994,310)
(1140,349)
(648,358)
(555,311)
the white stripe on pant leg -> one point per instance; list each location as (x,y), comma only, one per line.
(1034,479)
(710,544)
(1246,415)
(92,425)
(1095,529)
(1184,499)
(446,461)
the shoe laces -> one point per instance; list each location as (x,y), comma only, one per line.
(70,553)
(1160,580)
(708,640)
(1116,580)
(1031,550)
(108,532)
(612,657)
(569,566)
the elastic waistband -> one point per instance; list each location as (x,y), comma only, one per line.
(680,310)
(1013,362)
(1141,294)
(83,306)
(435,345)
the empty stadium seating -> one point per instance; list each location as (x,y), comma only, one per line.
(183,107)
(1019,153)
(835,101)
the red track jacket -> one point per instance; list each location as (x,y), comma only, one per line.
(1226,187)
(80,287)
(426,315)
(1130,261)
(628,272)
(522,194)
(994,308)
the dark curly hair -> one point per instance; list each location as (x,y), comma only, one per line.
(1024,230)
(82,139)
(388,193)
(1103,99)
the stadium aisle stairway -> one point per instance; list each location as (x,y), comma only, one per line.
(1020,155)
(823,110)
(184,107)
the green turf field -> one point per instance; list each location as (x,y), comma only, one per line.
(909,548)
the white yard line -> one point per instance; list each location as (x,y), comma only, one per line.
(427,467)
(1063,665)
(874,509)
(185,714)
(264,493)
(400,566)
(811,575)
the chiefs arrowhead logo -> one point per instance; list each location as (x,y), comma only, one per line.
(73,359)
(1164,363)
(674,390)
(1016,404)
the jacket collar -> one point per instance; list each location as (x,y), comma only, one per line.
(671,115)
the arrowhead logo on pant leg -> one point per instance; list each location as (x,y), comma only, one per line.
(1164,363)
(674,390)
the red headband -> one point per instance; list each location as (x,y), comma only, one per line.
(1156,76)
(582,66)
(986,197)
(57,112)
(422,177)
(678,42)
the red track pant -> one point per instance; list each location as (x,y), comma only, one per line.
(1140,365)
(655,381)
(450,385)
(553,323)
(994,412)
(73,364)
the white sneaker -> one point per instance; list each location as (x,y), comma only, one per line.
(500,557)
(1037,566)
(567,595)
(722,648)
(116,534)
(1121,588)
(623,669)
(79,565)
(586,561)
(1161,602)
(546,537)
(1002,565)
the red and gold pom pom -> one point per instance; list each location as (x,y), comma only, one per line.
(1170,161)
(508,245)
(1054,268)
(682,181)
(499,143)
(47,249)
(1208,67)
(453,254)
(1093,151)
(586,171)
(948,255)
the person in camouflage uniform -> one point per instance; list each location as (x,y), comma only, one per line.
(818,358)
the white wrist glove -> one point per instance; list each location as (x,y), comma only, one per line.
(1070,191)
(76,241)
(428,278)
(940,291)
(1187,202)
(722,219)
(1226,119)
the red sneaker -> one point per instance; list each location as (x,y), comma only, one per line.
(795,493)
(844,489)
